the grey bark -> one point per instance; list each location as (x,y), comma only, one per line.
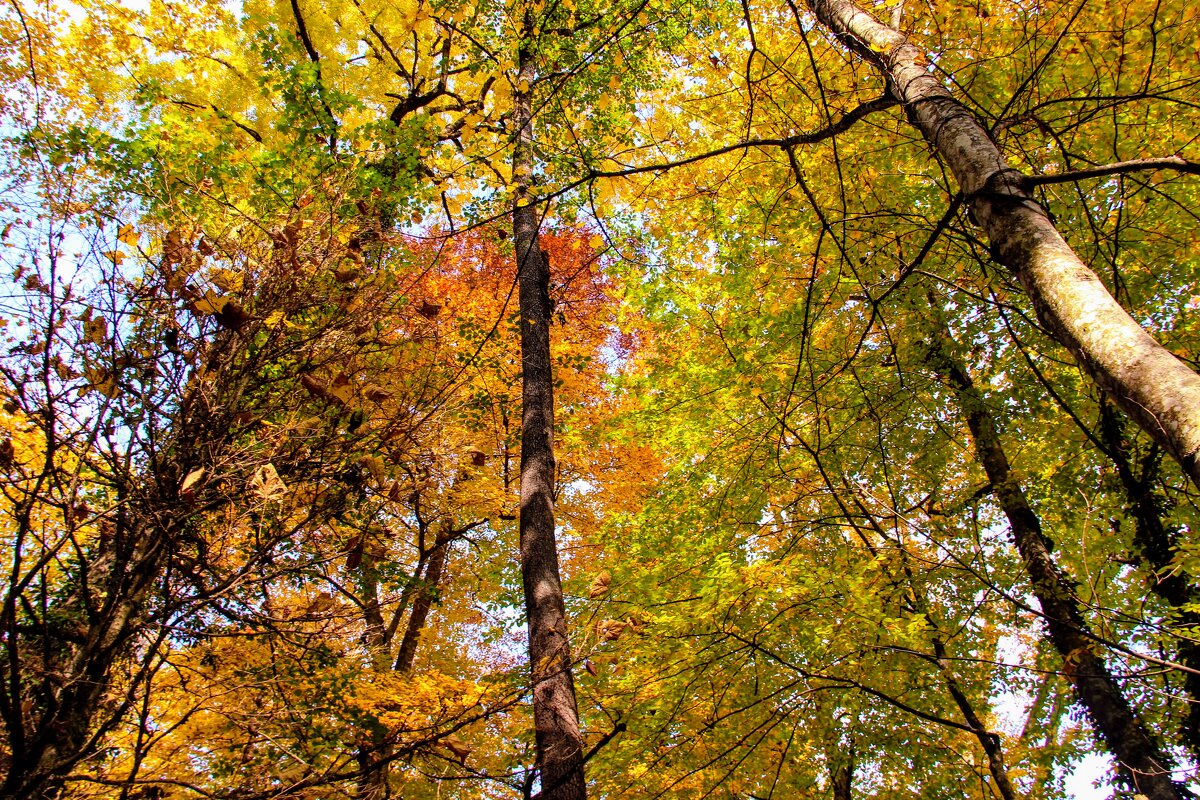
(1154,387)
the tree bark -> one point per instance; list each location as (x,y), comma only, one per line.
(1138,755)
(842,775)
(555,716)
(1154,387)
(1155,545)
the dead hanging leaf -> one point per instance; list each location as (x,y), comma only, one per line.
(345,273)
(610,629)
(635,624)
(478,457)
(187,489)
(232,316)
(7,453)
(227,280)
(599,586)
(205,247)
(429,310)
(318,389)
(354,553)
(376,467)
(175,248)
(590,667)
(342,389)
(376,393)
(266,483)
(458,747)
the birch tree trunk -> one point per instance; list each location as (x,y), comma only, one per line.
(1154,387)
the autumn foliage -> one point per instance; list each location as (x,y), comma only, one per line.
(849,499)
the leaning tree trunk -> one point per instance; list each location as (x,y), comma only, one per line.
(555,716)
(1151,384)
(1138,755)
(1156,544)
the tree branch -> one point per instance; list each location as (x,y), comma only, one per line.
(1177,163)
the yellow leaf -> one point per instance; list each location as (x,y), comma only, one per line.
(227,280)
(375,466)
(211,303)
(127,235)
(95,330)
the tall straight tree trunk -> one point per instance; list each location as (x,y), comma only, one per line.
(1138,755)
(555,716)
(1151,385)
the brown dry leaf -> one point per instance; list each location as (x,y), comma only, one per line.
(376,393)
(342,389)
(175,248)
(457,746)
(599,586)
(610,629)
(267,484)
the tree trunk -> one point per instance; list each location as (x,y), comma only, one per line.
(1151,385)
(423,601)
(1139,758)
(842,776)
(374,749)
(555,717)
(1155,545)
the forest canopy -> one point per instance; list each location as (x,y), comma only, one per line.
(561,398)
